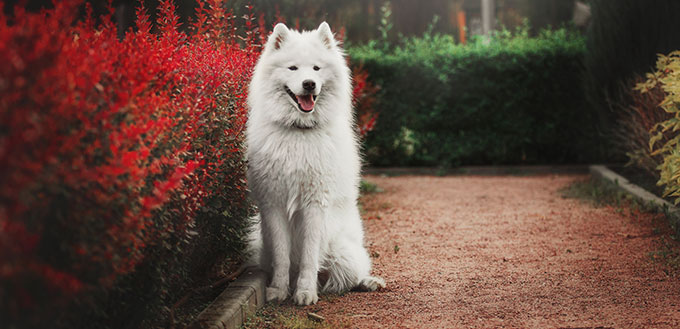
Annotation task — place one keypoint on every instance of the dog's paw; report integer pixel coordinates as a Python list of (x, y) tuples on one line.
[(371, 283), (276, 294), (305, 297)]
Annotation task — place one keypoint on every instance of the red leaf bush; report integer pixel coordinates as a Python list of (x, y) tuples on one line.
[(638, 113), (115, 154), (363, 96)]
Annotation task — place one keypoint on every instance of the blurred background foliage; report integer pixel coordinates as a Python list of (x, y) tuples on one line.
[(361, 17), (623, 41)]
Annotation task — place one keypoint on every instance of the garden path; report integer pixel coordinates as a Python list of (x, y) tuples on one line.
[(507, 251)]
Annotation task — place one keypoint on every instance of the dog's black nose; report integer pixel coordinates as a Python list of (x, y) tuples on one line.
[(308, 85)]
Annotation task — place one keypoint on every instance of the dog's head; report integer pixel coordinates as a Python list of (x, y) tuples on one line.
[(304, 70)]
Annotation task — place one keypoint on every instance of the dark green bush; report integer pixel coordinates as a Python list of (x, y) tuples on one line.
[(623, 41), (513, 99)]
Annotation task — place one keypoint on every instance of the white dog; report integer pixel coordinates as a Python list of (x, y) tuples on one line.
[(304, 167)]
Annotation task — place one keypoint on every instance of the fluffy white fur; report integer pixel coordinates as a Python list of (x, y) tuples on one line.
[(304, 168)]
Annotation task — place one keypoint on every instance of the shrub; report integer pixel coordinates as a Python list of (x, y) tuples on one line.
[(122, 175), (513, 99), (363, 93), (637, 114), (623, 40), (667, 77), (363, 96)]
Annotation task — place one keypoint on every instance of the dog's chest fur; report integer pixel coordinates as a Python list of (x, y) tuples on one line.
[(296, 169)]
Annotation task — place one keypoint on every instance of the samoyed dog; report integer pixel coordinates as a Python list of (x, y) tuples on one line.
[(304, 165)]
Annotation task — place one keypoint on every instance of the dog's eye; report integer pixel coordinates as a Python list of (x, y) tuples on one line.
[(292, 68), (316, 68)]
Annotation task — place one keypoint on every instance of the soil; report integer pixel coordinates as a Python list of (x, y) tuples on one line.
[(507, 252)]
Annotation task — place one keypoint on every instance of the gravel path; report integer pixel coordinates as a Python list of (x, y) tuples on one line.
[(506, 251)]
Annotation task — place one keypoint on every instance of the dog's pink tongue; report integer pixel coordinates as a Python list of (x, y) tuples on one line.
[(306, 102)]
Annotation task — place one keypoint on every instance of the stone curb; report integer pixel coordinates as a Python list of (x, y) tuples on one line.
[(240, 299), (478, 170), (672, 212)]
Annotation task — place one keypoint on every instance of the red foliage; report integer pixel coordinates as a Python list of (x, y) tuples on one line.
[(108, 144), (638, 114), (363, 95)]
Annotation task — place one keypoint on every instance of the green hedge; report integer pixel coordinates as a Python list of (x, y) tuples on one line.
[(512, 99)]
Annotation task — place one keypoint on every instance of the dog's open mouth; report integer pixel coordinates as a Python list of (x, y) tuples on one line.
[(304, 102)]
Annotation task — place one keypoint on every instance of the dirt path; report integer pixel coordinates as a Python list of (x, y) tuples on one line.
[(472, 251)]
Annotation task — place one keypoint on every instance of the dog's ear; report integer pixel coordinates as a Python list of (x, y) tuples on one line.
[(326, 35), (278, 36)]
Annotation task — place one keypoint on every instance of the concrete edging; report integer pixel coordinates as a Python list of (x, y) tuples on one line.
[(240, 299), (478, 170), (672, 212)]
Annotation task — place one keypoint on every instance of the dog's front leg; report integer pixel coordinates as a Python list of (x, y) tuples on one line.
[(276, 238), (310, 244)]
